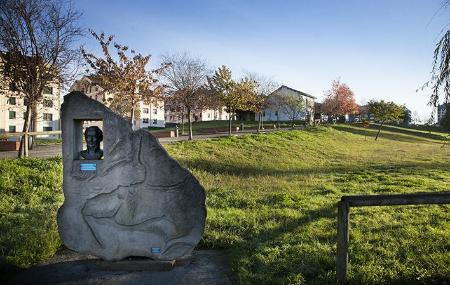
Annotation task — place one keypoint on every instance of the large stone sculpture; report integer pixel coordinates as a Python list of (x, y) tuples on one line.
[(136, 201)]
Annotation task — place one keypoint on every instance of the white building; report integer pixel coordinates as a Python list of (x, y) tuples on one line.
[(201, 116), (151, 115), (271, 114), (12, 108)]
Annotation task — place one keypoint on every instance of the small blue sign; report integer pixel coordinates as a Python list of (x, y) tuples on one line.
[(156, 250), (88, 166)]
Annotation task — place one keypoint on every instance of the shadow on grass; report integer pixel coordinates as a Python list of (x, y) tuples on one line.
[(403, 134), (309, 263), (230, 168), (411, 132)]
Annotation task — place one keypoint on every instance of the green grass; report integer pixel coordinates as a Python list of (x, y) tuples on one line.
[(42, 141), (271, 202), (30, 194)]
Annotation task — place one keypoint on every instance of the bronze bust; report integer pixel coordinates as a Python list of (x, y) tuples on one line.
[(93, 136)]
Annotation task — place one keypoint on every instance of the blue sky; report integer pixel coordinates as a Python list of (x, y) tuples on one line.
[(382, 49)]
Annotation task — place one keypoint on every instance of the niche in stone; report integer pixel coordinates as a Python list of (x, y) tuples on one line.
[(93, 141)]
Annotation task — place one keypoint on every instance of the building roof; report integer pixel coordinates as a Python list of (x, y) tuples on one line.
[(296, 91)]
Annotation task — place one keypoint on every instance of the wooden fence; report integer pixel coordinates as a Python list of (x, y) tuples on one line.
[(19, 134), (373, 200)]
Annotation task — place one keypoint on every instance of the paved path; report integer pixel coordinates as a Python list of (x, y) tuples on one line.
[(68, 267), (45, 151)]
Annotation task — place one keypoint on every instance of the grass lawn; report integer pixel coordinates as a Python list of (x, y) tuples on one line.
[(30, 194), (271, 202)]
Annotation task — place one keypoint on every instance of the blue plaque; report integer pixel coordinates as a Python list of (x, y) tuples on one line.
[(156, 250), (88, 166)]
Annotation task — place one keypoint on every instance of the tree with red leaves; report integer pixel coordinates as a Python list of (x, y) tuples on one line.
[(340, 100)]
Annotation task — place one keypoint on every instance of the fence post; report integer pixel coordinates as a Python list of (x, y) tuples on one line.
[(342, 242)]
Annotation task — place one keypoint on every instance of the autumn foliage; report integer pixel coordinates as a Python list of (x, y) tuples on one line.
[(340, 100), (125, 76)]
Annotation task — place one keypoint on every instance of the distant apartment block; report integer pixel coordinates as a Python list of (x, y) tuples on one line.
[(12, 108), (270, 114), (441, 111), (151, 115), (176, 116)]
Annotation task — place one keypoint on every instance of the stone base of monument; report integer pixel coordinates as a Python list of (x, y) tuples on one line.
[(142, 264), (68, 267)]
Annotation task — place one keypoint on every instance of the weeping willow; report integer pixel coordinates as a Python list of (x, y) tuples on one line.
[(440, 74)]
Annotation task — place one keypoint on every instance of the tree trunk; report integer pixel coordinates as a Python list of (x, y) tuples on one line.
[(190, 124), (132, 117), (379, 130), (229, 125), (182, 124), (262, 122), (23, 148), (259, 122), (34, 127)]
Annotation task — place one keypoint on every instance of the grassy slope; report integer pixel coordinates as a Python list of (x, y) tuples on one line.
[(272, 204)]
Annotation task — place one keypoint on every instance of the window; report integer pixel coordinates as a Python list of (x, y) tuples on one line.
[(48, 90), (145, 120), (96, 88), (155, 111), (12, 114), (48, 103), (12, 129), (145, 110), (12, 101), (155, 121), (48, 117), (46, 129)]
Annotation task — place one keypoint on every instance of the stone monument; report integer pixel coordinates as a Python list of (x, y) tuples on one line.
[(129, 199)]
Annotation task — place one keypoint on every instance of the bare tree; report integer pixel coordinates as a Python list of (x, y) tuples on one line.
[(185, 80), (126, 78), (293, 106), (37, 46), (276, 103), (264, 87)]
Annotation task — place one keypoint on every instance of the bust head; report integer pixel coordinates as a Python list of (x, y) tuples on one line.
[(93, 136)]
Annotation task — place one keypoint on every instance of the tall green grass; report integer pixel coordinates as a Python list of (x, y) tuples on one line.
[(30, 194)]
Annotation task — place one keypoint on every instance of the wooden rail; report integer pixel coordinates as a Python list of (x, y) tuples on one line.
[(373, 200), (19, 134)]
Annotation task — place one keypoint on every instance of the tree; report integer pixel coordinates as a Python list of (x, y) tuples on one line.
[(385, 112), (185, 82), (261, 101), (276, 103), (292, 106), (339, 100), (126, 77), (37, 46), (234, 95)]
